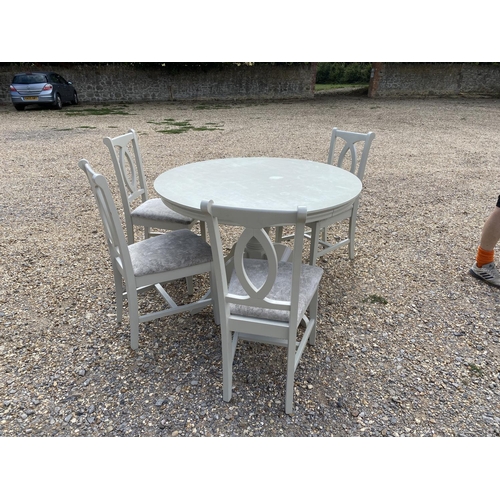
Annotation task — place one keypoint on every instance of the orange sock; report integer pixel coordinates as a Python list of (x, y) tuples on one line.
[(484, 257)]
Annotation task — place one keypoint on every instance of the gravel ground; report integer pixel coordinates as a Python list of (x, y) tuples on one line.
[(408, 344)]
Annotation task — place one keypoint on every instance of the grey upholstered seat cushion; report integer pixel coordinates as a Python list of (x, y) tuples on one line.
[(155, 209), (173, 250), (257, 270)]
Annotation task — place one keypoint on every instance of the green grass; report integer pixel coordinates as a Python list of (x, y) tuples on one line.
[(179, 127), (375, 299), (475, 370), (98, 111), (207, 128), (181, 124), (172, 131)]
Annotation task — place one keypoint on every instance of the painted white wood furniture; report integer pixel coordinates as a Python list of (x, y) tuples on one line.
[(262, 300), (140, 210), (149, 263), (270, 184), (345, 147)]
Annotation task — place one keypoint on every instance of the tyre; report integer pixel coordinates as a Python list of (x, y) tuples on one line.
[(75, 99), (58, 102), (19, 107)]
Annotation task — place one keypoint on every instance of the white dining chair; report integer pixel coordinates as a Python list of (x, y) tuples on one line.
[(262, 300), (148, 263), (139, 209), (353, 148)]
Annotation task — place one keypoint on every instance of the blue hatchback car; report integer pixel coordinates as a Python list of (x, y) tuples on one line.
[(44, 88)]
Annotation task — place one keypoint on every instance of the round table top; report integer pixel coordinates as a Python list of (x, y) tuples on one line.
[(258, 183)]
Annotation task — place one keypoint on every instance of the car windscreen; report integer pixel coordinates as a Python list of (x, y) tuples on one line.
[(29, 79)]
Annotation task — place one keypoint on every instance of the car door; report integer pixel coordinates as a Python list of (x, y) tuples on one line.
[(53, 80), (61, 86), (68, 91)]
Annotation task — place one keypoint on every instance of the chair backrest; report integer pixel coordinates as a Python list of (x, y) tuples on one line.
[(255, 294), (127, 160), (354, 145), (113, 231)]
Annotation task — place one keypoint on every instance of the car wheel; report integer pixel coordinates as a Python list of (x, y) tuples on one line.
[(58, 102), (19, 107), (75, 98)]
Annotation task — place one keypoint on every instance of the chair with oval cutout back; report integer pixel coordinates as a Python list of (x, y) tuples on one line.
[(262, 300), (139, 209), (148, 263), (355, 146)]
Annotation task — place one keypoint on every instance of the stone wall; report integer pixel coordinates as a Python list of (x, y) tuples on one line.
[(118, 83), (433, 79)]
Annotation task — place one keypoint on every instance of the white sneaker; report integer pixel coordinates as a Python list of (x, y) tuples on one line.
[(488, 273)]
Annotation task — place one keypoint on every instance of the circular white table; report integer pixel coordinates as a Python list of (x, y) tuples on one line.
[(259, 183)]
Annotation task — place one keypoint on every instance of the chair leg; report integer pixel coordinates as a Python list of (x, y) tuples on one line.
[(313, 316), (227, 363), (189, 284), (119, 294), (279, 234), (133, 313), (203, 230), (315, 232), (215, 299), (290, 376), (352, 230)]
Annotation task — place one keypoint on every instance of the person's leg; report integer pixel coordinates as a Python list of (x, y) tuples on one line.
[(491, 231), (490, 236), (484, 268)]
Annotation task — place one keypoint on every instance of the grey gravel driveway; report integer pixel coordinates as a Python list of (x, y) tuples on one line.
[(408, 344)]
